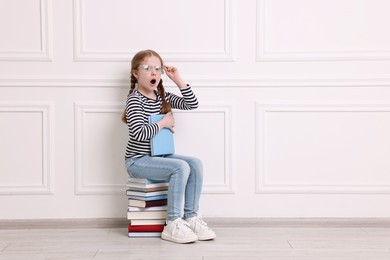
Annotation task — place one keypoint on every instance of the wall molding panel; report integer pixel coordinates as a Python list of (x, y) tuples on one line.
[(45, 52), (350, 186), (268, 51), (82, 53), (83, 186), (225, 111), (45, 184)]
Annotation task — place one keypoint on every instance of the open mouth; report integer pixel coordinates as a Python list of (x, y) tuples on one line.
[(153, 81)]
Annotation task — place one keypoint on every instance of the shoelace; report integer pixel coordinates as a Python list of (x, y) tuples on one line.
[(199, 221), (181, 224)]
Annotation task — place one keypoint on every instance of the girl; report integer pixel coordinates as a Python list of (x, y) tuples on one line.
[(185, 174)]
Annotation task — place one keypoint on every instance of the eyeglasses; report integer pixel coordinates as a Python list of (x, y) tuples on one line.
[(148, 68)]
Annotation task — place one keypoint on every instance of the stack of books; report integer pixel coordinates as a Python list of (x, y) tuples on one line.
[(147, 207)]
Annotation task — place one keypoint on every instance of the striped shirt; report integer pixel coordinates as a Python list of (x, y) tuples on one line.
[(138, 110)]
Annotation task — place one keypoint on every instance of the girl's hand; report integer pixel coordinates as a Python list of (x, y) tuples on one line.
[(174, 75), (168, 121)]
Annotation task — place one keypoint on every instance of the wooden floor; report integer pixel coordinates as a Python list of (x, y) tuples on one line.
[(246, 241)]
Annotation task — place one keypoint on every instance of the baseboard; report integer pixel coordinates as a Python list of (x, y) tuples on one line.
[(215, 222), (62, 223), (300, 222)]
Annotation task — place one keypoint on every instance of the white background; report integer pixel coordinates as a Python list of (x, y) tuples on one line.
[(294, 115)]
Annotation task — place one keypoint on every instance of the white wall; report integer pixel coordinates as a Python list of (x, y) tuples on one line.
[(294, 116)]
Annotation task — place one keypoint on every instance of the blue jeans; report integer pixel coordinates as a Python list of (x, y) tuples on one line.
[(185, 176)]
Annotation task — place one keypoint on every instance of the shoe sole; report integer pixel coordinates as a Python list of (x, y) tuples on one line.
[(206, 238), (180, 241)]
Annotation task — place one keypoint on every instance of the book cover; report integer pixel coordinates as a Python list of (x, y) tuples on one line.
[(145, 228), (162, 214), (147, 204), (145, 181), (157, 208), (162, 143), (139, 222), (147, 189), (158, 197), (144, 234), (146, 194)]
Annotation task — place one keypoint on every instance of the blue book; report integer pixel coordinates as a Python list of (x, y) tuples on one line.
[(157, 197), (162, 143), (146, 194)]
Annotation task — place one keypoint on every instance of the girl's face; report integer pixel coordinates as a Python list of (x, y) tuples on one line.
[(148, 74)]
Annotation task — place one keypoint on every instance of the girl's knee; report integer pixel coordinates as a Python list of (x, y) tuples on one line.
[(183, 167), (196, 166), (188, 166), (180, 173), (197, 163)]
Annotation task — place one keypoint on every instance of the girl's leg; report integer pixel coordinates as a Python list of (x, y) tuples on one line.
[(173, 170), (192, 195), (194, 185)]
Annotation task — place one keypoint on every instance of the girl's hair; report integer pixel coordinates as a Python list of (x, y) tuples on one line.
[(135, 63)]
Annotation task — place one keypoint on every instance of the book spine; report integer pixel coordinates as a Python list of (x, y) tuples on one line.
[(138, 209), (144, 234), (142, 189), (147, 204), (146, 194), (158, 197), (144, 181), (146, 228), (162, 214), (140, 222)]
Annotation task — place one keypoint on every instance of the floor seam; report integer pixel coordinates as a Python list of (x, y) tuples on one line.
[(3, 249)]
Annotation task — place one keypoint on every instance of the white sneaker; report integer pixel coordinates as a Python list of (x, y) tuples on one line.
[(178, 231), (201, 229)]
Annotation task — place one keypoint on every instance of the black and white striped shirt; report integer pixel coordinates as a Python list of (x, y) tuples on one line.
[(138, 110)]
